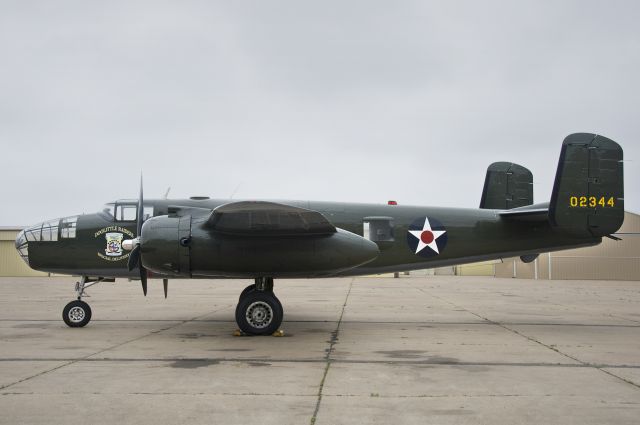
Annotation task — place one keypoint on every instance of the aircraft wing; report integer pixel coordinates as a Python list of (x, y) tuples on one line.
[(261, 218)]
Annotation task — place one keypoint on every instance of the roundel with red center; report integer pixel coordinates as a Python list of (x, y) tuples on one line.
[(427, 237)]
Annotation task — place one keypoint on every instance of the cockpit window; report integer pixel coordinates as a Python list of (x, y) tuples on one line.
[(126, 211), (147, 212)]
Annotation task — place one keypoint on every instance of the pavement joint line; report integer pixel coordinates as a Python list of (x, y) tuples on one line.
[(379, 322), (164, 394), (332, 342), (103, 350), (532, 339), (323, 360), (367, 396)]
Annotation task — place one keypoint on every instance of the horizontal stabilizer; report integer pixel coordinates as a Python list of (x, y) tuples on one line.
[(507, 185), (588, 194), (259, 218), (537, 212)]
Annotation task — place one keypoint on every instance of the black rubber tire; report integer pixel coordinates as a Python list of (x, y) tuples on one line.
[(246, 290), (250, 288), (268, 317), (76, 314)]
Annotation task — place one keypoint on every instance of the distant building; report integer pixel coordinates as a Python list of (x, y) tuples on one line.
[(611, 260)]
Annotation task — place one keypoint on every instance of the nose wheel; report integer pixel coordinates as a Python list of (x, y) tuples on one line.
[(76, 314), (259, 311)]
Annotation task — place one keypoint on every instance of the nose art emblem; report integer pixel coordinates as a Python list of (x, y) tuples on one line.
[(110, 242)]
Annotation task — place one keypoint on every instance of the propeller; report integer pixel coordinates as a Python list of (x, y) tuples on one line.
[(134, 257)]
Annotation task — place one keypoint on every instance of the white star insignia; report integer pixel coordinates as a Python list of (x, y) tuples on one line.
[(427, 237)]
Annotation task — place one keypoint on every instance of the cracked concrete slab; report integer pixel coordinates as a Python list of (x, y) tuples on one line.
[(366, 350)]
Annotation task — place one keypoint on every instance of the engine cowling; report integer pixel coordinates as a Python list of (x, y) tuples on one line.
[(165, 245)]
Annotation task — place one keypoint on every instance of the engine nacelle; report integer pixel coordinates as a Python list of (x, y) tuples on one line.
[(165, 244), (171, 246)]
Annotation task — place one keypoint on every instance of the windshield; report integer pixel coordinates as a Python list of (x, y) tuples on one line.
[(108, 209)]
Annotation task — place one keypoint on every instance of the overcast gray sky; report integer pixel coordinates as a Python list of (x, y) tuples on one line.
[(359, 101)]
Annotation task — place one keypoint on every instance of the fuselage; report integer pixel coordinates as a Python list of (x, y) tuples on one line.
[(408, 238)]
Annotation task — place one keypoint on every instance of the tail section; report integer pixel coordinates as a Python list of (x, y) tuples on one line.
[(588, 193)]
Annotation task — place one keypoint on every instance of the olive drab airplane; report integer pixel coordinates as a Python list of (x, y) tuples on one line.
[(265, 240)]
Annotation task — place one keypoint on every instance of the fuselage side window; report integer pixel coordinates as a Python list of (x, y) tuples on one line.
[(50, 230), (68, 227), (378, 229)]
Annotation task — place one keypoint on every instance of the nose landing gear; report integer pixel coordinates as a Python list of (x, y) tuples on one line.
[(77, 313), (259, 311)]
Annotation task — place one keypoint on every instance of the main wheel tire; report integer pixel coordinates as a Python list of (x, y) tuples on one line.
[(259, 313), (246, 290), (76, 314), (251, 288)]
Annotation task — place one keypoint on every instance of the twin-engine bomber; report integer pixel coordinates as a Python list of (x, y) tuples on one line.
[(265, 240)]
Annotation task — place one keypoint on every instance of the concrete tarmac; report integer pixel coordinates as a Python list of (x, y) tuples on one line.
[(414, 350)]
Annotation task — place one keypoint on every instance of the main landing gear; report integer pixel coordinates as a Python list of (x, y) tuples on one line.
[(259, 311), (77, 313)]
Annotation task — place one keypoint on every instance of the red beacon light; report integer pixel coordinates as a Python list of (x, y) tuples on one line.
[(392, 203)]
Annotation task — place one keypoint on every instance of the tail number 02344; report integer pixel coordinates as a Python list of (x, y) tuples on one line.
[(591, 202)]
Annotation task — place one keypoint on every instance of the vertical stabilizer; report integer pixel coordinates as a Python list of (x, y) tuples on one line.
[(588, 193), (507, 185)]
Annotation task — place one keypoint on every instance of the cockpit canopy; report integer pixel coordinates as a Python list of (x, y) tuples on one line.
[(125, 210)]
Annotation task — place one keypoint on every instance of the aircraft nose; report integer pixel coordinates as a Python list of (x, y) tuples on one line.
[(22, 246)]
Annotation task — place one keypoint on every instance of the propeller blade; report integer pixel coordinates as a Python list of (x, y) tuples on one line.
[(140, 210), (134, 258), (165, 283), (143, 279)]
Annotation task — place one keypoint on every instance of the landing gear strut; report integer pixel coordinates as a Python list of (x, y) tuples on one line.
[(259, 311), (77, 313)]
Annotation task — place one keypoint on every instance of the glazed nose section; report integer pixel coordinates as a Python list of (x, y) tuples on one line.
[(22, 246), (41, 232)]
